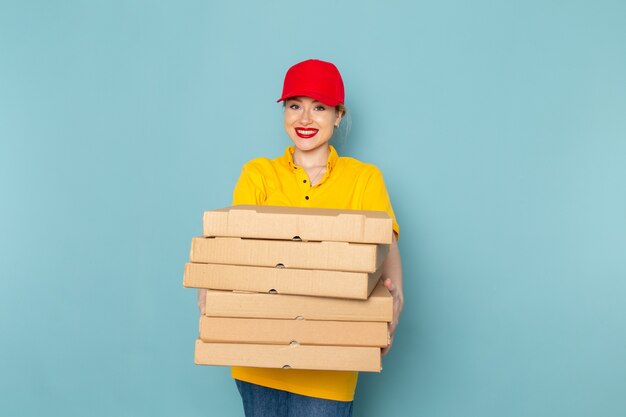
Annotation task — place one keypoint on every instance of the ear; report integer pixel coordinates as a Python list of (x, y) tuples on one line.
[(338, 117)]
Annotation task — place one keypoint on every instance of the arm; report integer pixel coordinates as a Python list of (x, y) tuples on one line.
[(392, 278), (377, 198)]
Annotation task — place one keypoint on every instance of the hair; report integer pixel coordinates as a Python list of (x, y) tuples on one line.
[(341, 108), (340, 134)]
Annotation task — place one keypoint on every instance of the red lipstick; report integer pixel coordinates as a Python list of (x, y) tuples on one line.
[(306, 132)]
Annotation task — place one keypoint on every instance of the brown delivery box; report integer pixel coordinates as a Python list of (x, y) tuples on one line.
[(322, 283), (338, 256), (301, 223), (378, 307), (286, 331), (330, 358)]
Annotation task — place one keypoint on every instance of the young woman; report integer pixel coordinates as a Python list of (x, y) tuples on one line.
[(311, 174)]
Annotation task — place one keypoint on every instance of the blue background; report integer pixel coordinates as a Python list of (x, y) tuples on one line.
[(500, 128)]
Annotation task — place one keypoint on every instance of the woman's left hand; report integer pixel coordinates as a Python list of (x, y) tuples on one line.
[(398, 304)]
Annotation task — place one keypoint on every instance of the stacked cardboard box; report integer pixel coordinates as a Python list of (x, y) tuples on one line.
[(292, 288)]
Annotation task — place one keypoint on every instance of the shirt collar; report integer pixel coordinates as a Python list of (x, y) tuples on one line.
[(333, 157)]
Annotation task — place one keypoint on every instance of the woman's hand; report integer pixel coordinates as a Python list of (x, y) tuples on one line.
[(398, 304), (201, 300), (392, 279)]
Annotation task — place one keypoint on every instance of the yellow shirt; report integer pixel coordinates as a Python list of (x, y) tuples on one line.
[(347, 184)]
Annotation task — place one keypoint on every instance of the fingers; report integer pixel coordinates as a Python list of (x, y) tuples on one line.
[(392, 326), (386, 350), (397, 301), (201, 300), (392, 331)]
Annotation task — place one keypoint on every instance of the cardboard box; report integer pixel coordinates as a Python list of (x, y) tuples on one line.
[(378, 307), (322, 283), (286, 331), (338, 256), (330, 358), (313, 224)]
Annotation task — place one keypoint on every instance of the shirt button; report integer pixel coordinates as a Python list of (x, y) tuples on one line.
[(307, 197)]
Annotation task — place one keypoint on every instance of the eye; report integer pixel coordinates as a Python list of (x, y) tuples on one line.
[(294, 106), (320, 108)]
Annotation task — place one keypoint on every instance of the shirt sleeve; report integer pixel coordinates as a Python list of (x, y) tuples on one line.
[(377, 198), (250, 188)]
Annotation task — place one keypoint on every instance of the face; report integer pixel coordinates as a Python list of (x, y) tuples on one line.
[(309, 123)]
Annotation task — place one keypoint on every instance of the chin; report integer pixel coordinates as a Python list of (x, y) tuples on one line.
[(304, 145)]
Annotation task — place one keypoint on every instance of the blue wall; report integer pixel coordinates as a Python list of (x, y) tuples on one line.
[(500, 128)]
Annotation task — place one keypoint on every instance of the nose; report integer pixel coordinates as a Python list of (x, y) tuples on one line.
[(305, 117)]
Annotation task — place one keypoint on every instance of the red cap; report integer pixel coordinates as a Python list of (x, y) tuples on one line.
[(313, 78)]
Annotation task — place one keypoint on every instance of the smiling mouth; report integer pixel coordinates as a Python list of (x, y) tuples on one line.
[(306, 133)]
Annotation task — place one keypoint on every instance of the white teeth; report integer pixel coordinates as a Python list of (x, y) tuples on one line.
[(306, 132)]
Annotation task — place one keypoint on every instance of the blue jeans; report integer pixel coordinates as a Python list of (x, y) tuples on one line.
[(259, 401)]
